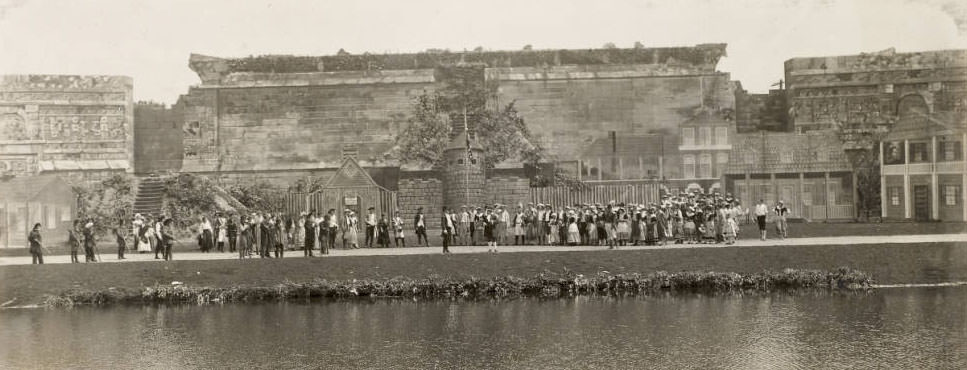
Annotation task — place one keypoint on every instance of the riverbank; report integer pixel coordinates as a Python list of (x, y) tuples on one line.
[(909, 263), (543, 285)]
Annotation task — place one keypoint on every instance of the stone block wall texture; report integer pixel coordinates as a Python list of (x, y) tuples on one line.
[(508, 190), (157, 139), (280, 123), (567, 110), (416, 192), (77, 126)]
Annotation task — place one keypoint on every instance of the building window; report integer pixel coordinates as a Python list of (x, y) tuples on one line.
[(689, 163), (688, 136), (705, 166), (893, 152), (895, 195), (919, 153), (706, 135), (721, 161), (888, 88), (949, 150), (822, 156), (749, 157), (950, 194), (785, 156), (721, 136)]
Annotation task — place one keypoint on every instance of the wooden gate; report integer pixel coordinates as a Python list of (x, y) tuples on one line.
[(564, 196), (358, 200)]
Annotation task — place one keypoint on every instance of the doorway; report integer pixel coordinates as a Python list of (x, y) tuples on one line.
[(921, 202)]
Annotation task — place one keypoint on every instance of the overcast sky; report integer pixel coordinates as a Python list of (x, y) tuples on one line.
[(151, 40)]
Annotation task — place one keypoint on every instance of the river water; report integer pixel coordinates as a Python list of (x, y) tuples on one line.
[(887, 328)]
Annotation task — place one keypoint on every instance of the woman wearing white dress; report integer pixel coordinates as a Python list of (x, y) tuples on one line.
[(352, 230), (147, 238)]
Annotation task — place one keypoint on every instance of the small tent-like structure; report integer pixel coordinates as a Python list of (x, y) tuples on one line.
[(352, 188), (24, 201)]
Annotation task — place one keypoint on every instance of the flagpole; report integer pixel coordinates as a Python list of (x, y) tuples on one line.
[(466, 130)]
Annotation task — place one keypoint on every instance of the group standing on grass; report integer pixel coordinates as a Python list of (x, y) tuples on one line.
[(687, 218)]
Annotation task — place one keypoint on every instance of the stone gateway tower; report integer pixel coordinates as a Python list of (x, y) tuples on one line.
[(463, 172)]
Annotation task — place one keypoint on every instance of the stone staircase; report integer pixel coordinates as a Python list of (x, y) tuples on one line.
[(149, 199)]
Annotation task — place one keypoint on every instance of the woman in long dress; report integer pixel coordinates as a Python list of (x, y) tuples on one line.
[(353, 230), (555, 230), (244, 241), (299, 233), (146, 238)]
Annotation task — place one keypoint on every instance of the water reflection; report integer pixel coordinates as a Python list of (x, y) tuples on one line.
[(902, 328)]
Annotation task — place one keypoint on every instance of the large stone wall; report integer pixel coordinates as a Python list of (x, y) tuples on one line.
[(297, 122), (508, 189), (157, 139), (420, 190), (77, 126), (568, 108)]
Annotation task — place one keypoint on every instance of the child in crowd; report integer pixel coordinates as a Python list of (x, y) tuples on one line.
[(731, 229)]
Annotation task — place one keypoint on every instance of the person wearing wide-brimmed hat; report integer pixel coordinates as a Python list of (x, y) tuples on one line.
[(419, 224), (370, 227), (398, 236), (781, 226), (503, 227), (519, 226), (309, 227), (461, 236), (89, 241), (352, 230), (446, 228)]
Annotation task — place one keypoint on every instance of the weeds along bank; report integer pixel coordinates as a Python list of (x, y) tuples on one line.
[(543, 285)]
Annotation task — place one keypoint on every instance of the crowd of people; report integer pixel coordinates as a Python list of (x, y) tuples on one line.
[(680, 219), (687, 218)]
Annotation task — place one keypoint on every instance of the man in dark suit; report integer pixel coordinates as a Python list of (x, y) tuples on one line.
[(310, 233), (419, 222), (446, 229)]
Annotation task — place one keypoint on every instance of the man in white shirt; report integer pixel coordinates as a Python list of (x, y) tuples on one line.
[(463, 232), (761, 210), (503, 221), (370, 227), (419, 223)]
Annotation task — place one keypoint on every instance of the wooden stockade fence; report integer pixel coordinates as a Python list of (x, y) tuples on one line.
[(564, 196), (341, 199)]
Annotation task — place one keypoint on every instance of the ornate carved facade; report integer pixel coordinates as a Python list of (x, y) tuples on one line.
[(77, 125), (870, 89)]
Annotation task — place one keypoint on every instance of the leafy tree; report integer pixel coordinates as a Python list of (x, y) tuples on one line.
[(501, 133), (187, 198), (308, 184), (425, 138), (862, 150), (106, 203), (259, 196)]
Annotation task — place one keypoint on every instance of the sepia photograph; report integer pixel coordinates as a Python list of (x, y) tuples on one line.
[(433, 184)]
